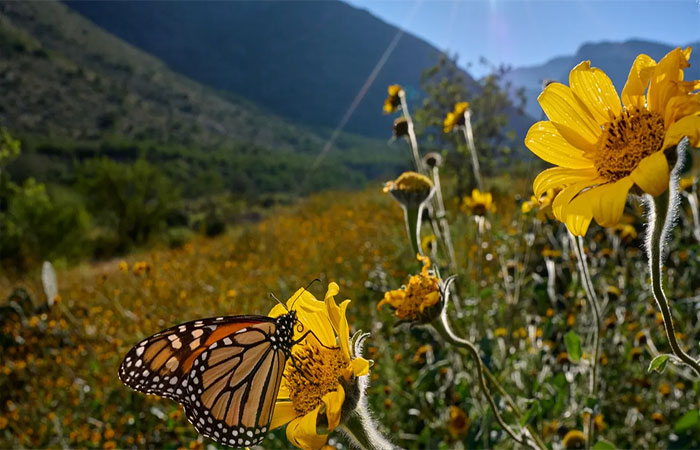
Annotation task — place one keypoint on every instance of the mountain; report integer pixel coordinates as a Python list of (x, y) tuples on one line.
[(615, 58), (71, 91), (306, 61)]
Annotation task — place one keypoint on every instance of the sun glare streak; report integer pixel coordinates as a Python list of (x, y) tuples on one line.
[(367, 84)]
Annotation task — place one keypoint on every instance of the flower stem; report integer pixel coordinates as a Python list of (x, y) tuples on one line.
[(585, 273), (660, 222), (412, 216), (442, 219), (443, 328), (469, 136), (411, 133), (362, 432)]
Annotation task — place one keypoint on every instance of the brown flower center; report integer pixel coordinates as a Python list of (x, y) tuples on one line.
[(313, 373), (629, 138)]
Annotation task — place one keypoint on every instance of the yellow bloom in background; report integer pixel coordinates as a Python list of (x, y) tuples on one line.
[(479, 203), (322, 381), (574, 439), (458, 422), (686, 183), (393, 101), (542, 205), (603, 146), (455, 118), (421, 299), (428, 243)]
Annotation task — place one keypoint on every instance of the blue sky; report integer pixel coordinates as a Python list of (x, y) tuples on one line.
[(527, 32)]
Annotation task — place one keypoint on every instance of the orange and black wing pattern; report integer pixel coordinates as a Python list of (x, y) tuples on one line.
[(225, 371)]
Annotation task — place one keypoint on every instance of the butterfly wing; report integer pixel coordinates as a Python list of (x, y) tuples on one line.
[(160, 364), (233, 385)]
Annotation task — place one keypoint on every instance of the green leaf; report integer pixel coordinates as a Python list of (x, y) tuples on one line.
[(604, 445), (658, 364), (573, 346), (531, 413), (690, 420)]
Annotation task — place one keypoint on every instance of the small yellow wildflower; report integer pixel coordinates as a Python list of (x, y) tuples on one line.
[(603, 146), (123, 266), (421, 300), (458, 422), (323, 379), (658, 418), (423, 350), (428, 243), (393, 101), (455, 118), (686, 183), (574, 439), (479, 203), (231, 293), (543, 205), (499, 332)]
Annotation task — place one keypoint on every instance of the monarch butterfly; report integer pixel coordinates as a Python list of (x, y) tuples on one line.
[(225, 372)]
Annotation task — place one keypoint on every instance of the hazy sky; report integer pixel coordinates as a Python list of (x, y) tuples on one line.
[(526, 32)]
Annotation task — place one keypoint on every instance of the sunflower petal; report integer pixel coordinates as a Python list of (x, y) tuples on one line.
[(545, 141), (611, 201), (302, 431), (334, 404), (688, 126), (559, 178), (284, 413), (681, 106), (595, 89), (637, 82), (664, 82), (277, 311), (344, 330), (359, 366), (651, 174), (562, 200), (570, 116), (331, 306)]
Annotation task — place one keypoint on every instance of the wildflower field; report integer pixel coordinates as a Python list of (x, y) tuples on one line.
[(489, 304)]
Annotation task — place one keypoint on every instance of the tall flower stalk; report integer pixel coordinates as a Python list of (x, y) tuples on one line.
[(469, 136), (661, 215), (587, 283)]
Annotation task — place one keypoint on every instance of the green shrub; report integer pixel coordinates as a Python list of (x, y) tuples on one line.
[(132, 200)]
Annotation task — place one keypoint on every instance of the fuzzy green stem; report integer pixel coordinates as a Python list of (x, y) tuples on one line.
[(361, 431), (469, 136), (412, 216), (411, 133), (660, 220), (443, 328), (587, 284), (442, 219)]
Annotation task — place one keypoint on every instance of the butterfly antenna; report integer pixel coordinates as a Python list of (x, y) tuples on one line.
[(304, 290), (279, 301)]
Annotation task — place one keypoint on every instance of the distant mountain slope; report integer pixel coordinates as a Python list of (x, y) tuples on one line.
[(71, 89), (303, 60), (615, 58)]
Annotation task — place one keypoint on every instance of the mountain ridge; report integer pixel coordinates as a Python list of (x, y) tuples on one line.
[(613, 57)]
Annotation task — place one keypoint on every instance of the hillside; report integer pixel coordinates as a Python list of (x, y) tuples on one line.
[(309, 69), (615, 58), (71, 90)]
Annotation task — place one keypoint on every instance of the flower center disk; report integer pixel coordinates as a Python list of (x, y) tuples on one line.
[(314, 374), (629, 138)]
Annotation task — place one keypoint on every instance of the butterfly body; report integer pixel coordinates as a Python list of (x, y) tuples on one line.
[(225, 372)]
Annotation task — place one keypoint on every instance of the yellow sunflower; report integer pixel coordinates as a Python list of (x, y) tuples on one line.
[(479, 203), (603, 146), (543, 205), (455, 118), (393, 101), (314, 387), (421, 300)]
